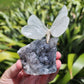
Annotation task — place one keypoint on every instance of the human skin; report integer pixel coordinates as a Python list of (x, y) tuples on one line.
[(16, 75)]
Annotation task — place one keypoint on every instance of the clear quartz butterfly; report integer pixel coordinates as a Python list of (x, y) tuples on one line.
[(37, 30)]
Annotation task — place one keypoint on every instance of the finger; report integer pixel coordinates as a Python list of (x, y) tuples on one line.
[(52, 76), (20, 75), (58, 55), (19, 64), (58, 64), (13, 70)]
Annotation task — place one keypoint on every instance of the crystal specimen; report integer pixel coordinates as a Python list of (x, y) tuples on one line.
[(39, 57)]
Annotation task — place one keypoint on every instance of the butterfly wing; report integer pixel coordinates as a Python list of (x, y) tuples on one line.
[(60, 24), (33, 32), (34, 20), (35, 28)]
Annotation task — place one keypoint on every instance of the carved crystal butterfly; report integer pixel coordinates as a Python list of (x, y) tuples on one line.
[(37, 30)]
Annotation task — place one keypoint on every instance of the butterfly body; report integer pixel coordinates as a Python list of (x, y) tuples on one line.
[(48, 36)]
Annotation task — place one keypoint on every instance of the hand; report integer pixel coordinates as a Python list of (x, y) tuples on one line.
[(15, 74)]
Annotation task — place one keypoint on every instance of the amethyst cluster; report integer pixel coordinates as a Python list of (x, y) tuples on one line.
[(39, 57)]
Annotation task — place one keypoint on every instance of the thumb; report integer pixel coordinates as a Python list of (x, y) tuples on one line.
[(13, 70)]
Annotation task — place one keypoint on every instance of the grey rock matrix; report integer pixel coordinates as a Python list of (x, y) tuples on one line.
[(39, 57)]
